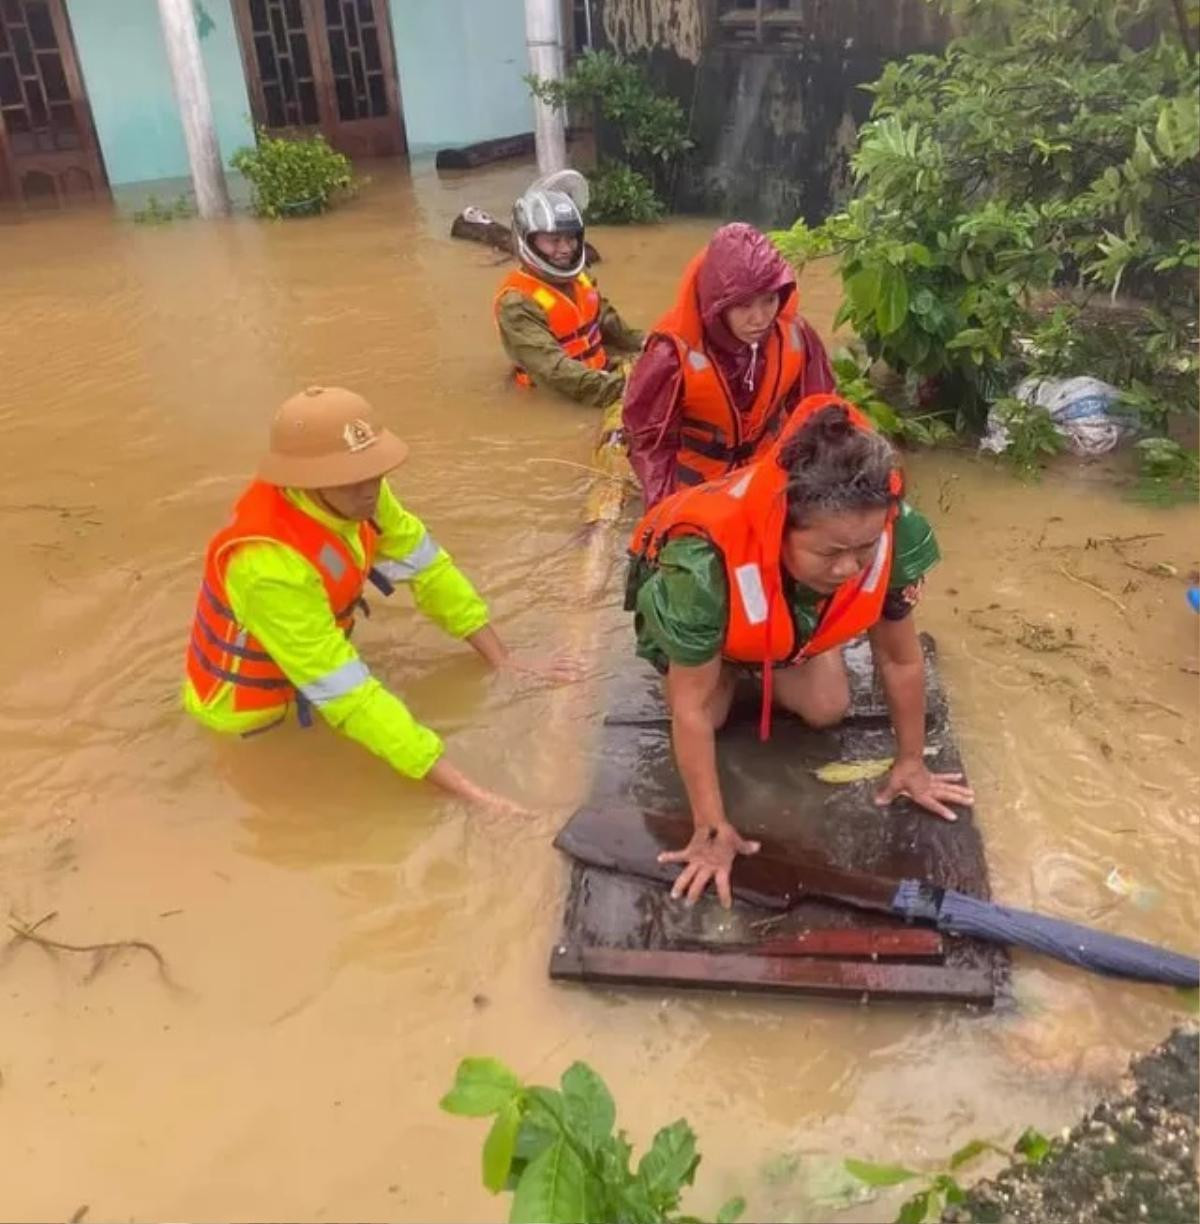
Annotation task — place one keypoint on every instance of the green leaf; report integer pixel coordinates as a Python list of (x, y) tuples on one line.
[(863, 289), (883, 416), (892, 308), (1143, 159), (589, 1105), (969, 338), (918, 253), (946, 1186), (552, 1190), (1163, 134), (968, 1152), (1033, 1145), (878, 1174), (482, 1086), (731, 1210), (500, 1146), (670, 1164), (916, 1209), (550, 1108), (845, 367)]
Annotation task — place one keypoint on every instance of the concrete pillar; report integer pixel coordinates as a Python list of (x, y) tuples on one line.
[(543, 37), (178, 19)]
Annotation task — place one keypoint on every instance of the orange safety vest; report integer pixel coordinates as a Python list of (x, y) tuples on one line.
[(574, 318), (715, 437), (743, 515), (220, 650)]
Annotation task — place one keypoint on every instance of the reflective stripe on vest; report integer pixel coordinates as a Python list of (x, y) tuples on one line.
[(258, 682), (337, 683), (572, 314), (715, 436), (406, 568), (743, 516), (750, 589), (220, 650)]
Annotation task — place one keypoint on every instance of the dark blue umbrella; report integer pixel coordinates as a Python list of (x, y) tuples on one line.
[(957, 914)]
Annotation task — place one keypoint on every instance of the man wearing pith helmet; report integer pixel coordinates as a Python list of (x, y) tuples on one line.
[(284, 579)]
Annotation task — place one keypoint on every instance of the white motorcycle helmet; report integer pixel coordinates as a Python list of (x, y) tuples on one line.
[(553, 205)]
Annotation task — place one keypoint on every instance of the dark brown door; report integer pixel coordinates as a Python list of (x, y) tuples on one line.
[(324, 65), (48, 148)]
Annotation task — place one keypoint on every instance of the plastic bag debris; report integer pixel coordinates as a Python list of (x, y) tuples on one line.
[(1085, 412)]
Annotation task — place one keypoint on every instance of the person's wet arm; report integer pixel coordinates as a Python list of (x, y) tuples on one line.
[(681, 612), (692, 694), (281, 601), (897, 652), (615, 332), (650, 415), (531, 344), (407, 554)]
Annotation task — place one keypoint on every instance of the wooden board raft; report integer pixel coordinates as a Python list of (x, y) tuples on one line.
[(620, 926)]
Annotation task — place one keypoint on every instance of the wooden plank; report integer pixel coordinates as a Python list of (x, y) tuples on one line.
[(852, 943), (859, 980), (817, 840), (777, 877)]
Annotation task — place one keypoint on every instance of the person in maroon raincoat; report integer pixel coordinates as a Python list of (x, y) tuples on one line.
[(723, 369)]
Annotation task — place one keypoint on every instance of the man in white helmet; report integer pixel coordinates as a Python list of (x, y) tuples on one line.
[(554, 324)]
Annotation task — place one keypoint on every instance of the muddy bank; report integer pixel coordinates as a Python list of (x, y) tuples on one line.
[(1133, 1157)]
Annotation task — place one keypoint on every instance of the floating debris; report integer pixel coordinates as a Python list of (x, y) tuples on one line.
[(840, 773)]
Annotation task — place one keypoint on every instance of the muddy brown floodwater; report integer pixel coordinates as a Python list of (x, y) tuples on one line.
[(340, 938)]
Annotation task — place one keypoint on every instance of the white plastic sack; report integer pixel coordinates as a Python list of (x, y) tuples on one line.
[(1084, 411)]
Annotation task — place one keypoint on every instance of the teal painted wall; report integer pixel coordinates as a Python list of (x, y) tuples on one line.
[(124, 65), (460, 64)]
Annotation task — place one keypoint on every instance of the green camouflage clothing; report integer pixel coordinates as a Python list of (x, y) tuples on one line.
[(680, 609), (530, 344)]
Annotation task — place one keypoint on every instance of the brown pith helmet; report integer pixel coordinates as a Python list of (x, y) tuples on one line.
[(325, 437)]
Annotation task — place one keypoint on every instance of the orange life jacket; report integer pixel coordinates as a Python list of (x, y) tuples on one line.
[(743, 515), (573, 312), (715, 437), (220, 650)]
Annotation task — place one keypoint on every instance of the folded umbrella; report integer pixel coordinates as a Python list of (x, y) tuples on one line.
[(957, 914)]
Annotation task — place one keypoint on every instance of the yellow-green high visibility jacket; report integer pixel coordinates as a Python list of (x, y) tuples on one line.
[(278, 598)]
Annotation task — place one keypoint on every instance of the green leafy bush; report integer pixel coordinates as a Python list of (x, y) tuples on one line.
[(1032, 436), (854, 384), (1009, 190), (556, 1150), (162, 212), (650, 127), (1167, 473), (619, 194), (293, 177)]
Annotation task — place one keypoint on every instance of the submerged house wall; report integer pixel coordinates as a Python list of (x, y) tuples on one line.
[(772, 89), (461, 65), (123, 61)]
